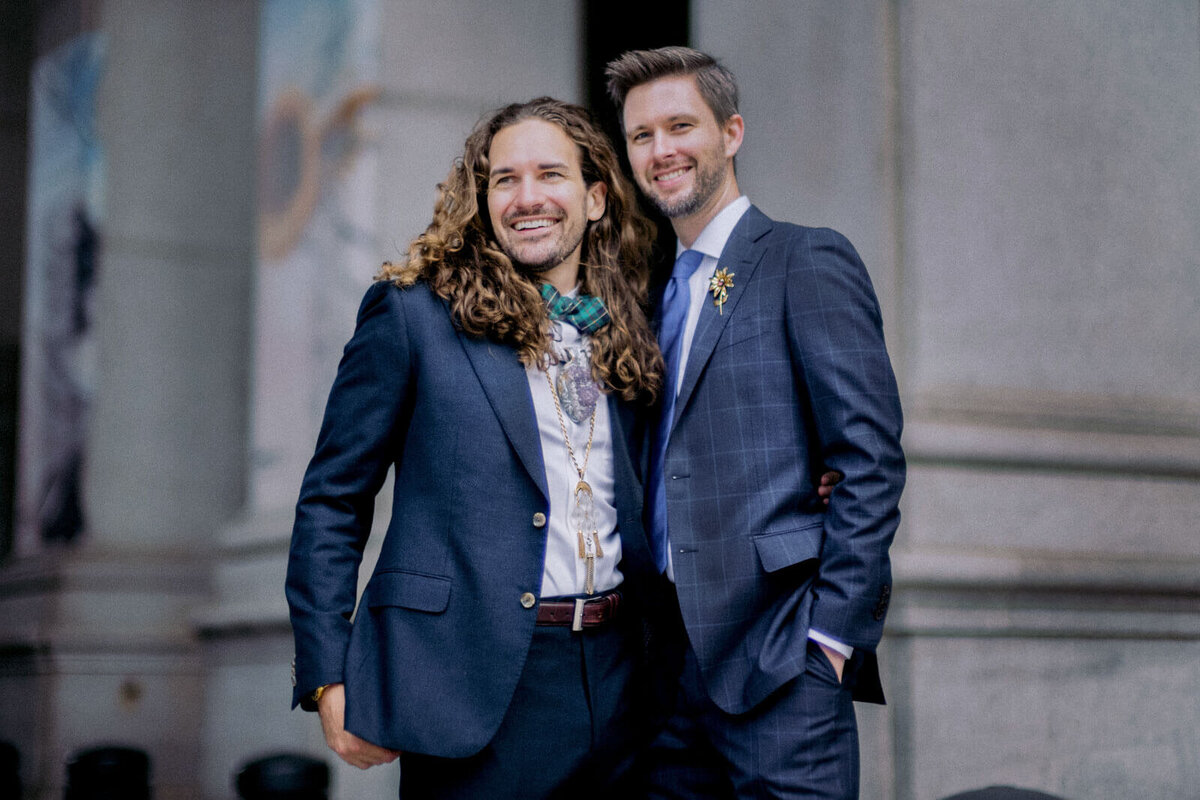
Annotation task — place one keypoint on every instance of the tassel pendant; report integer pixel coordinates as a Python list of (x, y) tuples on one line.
[(589, 551)]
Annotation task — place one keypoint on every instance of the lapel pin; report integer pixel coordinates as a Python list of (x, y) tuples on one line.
[(719, 284)]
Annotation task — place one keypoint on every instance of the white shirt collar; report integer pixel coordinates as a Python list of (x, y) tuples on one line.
[(712, 239)]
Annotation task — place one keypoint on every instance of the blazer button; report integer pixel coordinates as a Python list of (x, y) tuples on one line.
[(539, 521), (527, 600)]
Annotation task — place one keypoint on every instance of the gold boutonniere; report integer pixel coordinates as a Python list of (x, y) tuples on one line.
[(719, 284)]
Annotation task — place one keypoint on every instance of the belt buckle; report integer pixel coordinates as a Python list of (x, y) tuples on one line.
[(577, 617)]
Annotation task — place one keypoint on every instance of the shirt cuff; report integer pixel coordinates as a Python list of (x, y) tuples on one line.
[(833, 644)]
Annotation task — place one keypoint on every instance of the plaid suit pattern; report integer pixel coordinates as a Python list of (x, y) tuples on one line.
[(791, 376)]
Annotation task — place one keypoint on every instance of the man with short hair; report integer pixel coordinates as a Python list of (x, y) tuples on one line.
[(775, 364), (497, 647)]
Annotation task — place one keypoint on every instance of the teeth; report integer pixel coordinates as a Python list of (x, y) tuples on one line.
[(525, 225), (670, 176)]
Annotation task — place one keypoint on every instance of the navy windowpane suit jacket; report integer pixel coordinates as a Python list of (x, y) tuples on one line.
[(790, 378)]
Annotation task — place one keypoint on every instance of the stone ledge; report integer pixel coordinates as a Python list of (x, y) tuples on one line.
[(912, 619), (258, 531), (1045, 595), (1031, 571), (91, 570), (979, 444), (101, 658), (94, 601), (239, 619), (1048, 409)]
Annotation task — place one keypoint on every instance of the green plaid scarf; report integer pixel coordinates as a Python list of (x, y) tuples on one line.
[(585, 312)]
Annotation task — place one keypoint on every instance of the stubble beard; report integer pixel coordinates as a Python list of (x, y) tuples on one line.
[(708, 183), (569, 241)]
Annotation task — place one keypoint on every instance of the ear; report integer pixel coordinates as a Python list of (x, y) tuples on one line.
[(732, 131), (597, 200)]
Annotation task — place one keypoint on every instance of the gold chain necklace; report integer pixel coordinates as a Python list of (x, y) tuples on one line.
[(585, 511)]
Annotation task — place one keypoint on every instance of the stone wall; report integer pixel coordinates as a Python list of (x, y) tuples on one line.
[(1022, 180)]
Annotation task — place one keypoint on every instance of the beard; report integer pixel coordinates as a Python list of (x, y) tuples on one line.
[(552, 259), (710, 174), (538, 257)]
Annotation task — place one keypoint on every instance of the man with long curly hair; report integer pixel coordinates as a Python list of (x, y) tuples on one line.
[(497, 649), (780, 602)]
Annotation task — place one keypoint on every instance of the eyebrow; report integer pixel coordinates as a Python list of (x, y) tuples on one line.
[(543, 166), (681, 116), (684, 116)]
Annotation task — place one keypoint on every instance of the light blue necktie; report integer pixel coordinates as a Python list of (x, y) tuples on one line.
[(676, 299)]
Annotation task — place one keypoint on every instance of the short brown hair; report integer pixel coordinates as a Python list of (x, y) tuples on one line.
[(636, 67)]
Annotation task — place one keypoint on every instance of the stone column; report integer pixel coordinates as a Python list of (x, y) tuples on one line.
[(98, 644), (440, 66), (1023, 182), (1051, 182)]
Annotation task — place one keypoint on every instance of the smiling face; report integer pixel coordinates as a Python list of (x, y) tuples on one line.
[(537, 200), (681, 157)]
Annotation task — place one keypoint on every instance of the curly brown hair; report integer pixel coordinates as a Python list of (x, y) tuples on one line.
[(461, 261)]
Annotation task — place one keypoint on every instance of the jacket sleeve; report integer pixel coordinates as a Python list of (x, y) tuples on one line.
[(836, 338), (359, 435)]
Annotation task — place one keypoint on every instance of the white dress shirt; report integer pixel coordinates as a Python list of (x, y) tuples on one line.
[(564, 572), (711, 242)]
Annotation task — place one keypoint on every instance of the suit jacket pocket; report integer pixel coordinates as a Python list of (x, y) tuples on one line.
[(413, 590), (780, 549)]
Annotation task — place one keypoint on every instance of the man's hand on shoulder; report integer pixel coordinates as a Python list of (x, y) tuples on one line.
[(351, 749)]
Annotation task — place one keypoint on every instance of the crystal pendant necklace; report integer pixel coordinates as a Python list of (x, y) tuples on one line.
[(582, 516)]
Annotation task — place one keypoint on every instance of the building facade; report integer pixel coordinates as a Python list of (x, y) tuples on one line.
[(1021, 178)]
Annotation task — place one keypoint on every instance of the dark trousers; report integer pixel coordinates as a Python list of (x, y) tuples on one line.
[(801, 742), (572, 730)]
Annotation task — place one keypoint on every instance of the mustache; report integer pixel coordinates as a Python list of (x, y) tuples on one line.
[(541, 210)]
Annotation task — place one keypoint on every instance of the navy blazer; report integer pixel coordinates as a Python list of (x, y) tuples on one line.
[(431, 659), (789, 378)]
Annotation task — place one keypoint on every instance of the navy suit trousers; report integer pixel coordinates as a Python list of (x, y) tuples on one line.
[(573, 729), (801, 742)]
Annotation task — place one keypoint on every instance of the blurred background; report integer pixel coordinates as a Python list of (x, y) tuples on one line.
[(194, 195)]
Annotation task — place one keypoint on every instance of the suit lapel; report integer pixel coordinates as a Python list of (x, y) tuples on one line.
[(741, 257), (503, 378)]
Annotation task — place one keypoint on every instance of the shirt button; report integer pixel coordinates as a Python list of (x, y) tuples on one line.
[(539, 521), (527, 600)]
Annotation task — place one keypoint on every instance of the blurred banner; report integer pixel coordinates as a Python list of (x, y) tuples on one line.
[(318, 79), (58, 359)]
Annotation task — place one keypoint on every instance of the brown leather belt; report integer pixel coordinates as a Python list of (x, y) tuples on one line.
[(581, 613)]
